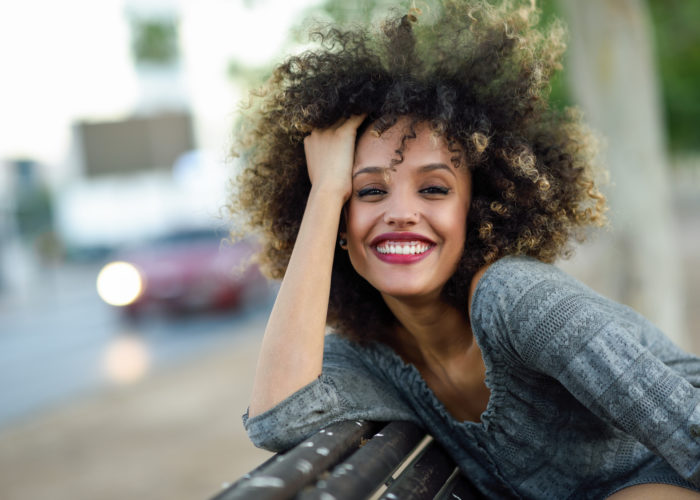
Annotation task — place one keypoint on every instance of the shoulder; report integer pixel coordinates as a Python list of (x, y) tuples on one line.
[(528, 268), (337, 344), (513, 278), (525, 304), (340, 352), (518, 298)]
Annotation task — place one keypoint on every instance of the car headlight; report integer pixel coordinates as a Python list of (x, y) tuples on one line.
[(119, 283)]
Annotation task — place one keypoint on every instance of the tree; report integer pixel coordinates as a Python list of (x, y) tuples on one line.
[(613, 78)]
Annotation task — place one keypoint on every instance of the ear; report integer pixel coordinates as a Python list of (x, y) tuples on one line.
[(342, 241), (342, 228)]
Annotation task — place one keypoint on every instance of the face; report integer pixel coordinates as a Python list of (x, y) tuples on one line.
[(406, 223)]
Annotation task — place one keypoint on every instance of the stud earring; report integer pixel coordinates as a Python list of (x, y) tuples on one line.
[(343, 243)]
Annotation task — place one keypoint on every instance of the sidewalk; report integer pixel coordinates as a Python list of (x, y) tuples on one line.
[(175, 435)]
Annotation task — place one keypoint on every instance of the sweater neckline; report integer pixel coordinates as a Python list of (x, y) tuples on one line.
[(408, 374)]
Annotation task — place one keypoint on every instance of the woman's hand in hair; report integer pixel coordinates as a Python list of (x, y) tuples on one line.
[(291, 354), (330, 155)]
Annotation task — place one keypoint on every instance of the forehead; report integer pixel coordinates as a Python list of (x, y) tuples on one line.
[(426, 147)]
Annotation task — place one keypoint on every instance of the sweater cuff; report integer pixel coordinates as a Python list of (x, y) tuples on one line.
[(291, 420)]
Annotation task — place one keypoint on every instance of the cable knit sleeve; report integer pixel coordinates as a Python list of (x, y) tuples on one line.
[(348, 389), (610, 358)]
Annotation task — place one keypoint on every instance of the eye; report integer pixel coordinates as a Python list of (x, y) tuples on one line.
[(370, 191), (440, 190)]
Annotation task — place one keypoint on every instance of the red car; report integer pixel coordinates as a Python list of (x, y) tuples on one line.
[(183, 272)]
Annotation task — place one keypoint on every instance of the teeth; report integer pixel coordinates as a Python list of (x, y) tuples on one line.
[(403, 247)]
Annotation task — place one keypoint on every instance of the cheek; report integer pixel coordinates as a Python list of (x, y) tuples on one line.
[(356, 223), (454, 226), (354, 233), (359, 221)]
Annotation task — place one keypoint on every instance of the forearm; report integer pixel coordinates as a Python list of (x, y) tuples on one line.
[(291, 354), (348, 389)]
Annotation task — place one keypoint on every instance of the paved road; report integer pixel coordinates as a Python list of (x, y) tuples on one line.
[(59, 341), (174, 435)]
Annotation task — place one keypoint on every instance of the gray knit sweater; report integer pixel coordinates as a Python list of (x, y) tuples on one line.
[(587, 396)]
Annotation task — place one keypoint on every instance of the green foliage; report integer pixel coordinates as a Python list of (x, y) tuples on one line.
[(560, 96), (250, 76), (677, 51), (678, 55), (361, 11), (154, 41)]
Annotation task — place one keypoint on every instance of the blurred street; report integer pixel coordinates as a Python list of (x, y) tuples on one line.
[(73, 424), (59, 340)]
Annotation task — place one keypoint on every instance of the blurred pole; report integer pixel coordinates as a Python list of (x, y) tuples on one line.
[(614, 80)]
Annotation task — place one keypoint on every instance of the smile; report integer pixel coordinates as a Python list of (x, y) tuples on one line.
[(403, 247)]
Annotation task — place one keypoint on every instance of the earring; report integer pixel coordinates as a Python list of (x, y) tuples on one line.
[(343, 243)]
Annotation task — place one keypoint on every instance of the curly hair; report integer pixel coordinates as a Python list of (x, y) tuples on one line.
[(479, 76)]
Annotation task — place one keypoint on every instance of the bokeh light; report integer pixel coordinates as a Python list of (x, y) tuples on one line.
[(126, 360), (119, 283)]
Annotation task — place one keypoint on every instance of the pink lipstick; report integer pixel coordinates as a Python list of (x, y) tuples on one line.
[(401, 248)]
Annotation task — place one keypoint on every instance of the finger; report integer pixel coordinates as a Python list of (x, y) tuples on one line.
[(355, 120)]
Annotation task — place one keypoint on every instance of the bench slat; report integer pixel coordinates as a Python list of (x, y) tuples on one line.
[(458, 487), (284, 476), (370, 466), (424, 477), (355, 460)]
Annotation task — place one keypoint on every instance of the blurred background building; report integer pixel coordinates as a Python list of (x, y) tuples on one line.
[(104, 97), (116, 119)]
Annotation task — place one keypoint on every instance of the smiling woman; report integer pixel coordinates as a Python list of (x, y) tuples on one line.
[(412, 187), (411, 213)]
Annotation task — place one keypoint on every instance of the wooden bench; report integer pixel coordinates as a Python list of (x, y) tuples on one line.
[(357, 460)]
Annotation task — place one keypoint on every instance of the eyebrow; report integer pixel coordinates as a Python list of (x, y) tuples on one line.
[(425, 168), (370, 170)]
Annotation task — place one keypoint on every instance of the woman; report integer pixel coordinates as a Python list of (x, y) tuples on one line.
[(412, 187)]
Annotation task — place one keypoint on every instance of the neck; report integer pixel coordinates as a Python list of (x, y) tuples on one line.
[(429, 331)]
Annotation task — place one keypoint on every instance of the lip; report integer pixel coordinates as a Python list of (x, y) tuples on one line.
[(402, 236), (400, 258)]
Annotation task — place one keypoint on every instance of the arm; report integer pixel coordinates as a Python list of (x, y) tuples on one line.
[(603, 353), (292, 349), (348, 389)]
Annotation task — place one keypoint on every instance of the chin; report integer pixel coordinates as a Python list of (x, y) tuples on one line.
[(406, 291)]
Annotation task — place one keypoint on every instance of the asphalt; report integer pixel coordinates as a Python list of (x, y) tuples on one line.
[(174, 435)]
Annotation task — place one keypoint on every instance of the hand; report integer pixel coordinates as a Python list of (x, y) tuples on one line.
[(330, 154)]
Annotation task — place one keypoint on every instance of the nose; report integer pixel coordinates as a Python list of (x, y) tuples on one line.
[(400, 212)]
